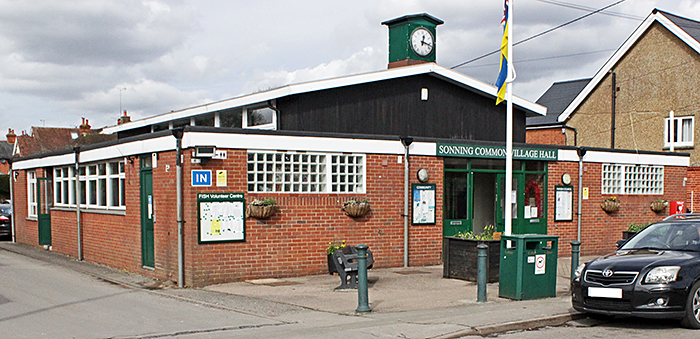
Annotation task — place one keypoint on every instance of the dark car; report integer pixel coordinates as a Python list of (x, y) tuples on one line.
[(5, 221), (655, 274)]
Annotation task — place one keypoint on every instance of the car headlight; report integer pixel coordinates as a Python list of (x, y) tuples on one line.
[(579, 271), (662, 275)]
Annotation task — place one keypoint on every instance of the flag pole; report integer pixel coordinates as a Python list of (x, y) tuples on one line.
[(509, 127)]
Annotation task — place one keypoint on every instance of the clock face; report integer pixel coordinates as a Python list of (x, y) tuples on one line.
[(422, 41), (422, 175), (566, 178)]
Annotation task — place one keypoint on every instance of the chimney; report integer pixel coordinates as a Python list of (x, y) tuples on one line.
[(84, 127), (124, 119), (11, 136)]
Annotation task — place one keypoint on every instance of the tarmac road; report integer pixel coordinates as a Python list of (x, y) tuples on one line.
[(42, 300)]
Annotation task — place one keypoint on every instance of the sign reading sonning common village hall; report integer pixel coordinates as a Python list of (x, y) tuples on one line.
[(496, 152)]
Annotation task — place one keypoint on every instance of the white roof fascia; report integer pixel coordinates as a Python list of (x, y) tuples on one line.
[(626, 158), (234, 141), (308, 144), (631, 40), (311, 86), (165, 143)]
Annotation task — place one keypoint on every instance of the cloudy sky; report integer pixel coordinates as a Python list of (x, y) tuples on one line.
[(61, 60)]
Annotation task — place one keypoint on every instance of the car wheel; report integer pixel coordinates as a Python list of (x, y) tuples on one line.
[(692, 308)]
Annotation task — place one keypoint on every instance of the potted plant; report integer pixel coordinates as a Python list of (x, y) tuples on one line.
[(610, 205), (632, 229), (658, 205), (461, 255), (356, 208), (333, 245), (261, 209)]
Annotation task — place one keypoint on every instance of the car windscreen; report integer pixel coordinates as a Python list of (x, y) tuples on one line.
[(682, 236), (5, 209)]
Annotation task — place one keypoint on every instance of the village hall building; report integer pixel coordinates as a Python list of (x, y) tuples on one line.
[(423, 145)]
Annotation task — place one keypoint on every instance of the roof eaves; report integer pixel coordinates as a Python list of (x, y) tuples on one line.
[(655, 16), (251, 99)]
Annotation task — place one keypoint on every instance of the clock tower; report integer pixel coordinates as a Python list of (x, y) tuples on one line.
[(412, 39)]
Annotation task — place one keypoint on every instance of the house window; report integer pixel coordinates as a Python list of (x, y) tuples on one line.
[(290, 172), (260, 118), (682, 132), (64, 186), (31, 194), (100, 186), (633, 179)]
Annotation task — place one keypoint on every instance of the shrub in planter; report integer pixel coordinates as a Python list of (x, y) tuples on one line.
[(334, 245), (632, 229), (461, 255)]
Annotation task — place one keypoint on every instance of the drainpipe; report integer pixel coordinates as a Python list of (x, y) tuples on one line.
[(406, 142), (76, 150), (12, 199), (581, 153), (177, 133), (612, 122)]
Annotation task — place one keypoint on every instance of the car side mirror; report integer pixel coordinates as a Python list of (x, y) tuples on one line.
[(620, 243)]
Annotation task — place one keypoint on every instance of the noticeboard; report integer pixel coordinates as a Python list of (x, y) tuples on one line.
[(564, 202), (423, 204), (221, 217)]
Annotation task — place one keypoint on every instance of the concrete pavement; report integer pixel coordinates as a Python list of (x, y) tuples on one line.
[(414, 302)]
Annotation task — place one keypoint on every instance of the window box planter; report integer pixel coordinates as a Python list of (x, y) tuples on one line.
[(610, 206), (627, 234), (356, 209), (461, 259), (260, 211), (331, 265), (658, 206)]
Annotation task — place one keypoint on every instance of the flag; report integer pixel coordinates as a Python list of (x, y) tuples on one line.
[(503, 72)]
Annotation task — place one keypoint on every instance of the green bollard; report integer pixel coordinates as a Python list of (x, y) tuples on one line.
[(481, 273), (362, 296), (575, 252)]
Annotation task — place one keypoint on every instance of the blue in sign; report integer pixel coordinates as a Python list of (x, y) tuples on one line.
[(201, 178)]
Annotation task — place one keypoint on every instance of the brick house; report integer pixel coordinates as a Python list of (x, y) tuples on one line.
[(313, 147), (630, 102)]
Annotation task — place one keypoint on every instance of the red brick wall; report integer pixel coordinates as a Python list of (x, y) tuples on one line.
[(600, 230), (546, 136), (692, 186), (291, 243)]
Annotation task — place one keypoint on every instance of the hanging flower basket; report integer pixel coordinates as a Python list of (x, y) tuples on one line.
[(610, 206), (261, 209), (356, 209), (658, 206)]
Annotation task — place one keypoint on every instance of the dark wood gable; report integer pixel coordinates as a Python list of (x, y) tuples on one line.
[(394, 107)]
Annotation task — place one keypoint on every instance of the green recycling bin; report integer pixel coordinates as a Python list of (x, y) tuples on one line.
[(528, 268)]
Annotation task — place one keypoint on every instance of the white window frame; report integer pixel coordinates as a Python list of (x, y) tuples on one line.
[(619, 179), (100, 180), (685, 139), (271, 126), (32, 203), (306, 173)]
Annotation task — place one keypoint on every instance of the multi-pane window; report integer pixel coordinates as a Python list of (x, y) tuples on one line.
[(31, 194), (290, 172), (100, 186), (632, 179), (682, 132)]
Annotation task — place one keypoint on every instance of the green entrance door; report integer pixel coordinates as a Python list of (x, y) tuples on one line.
[(501, 203), (147, 216), (44, 201), (456, 215)]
